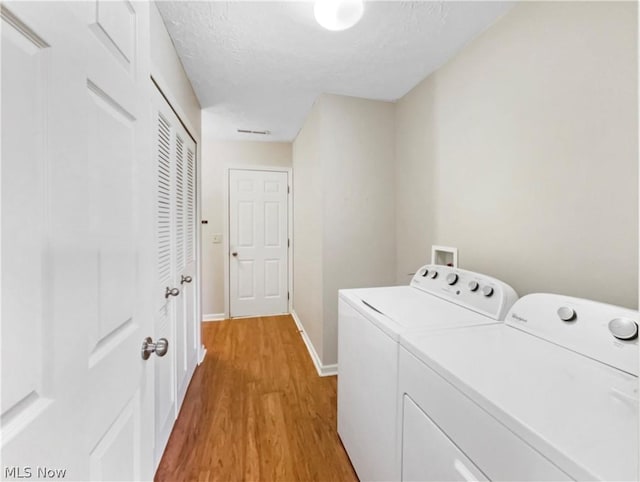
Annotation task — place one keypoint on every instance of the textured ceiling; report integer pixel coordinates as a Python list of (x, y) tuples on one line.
[(260, 65)]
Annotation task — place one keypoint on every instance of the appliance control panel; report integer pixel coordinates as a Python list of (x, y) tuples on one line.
[(477, 292), (606, 333)]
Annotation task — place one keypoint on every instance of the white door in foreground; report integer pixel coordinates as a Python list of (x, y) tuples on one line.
[(258, 242), (76, 241)]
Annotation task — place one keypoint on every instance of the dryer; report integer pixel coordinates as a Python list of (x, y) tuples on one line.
[(369, 325), (551, 394)]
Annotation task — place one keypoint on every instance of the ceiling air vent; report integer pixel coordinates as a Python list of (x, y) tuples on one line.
[(247, 131)]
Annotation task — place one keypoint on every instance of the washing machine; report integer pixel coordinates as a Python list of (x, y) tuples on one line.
[(370, 322), (551, 394)]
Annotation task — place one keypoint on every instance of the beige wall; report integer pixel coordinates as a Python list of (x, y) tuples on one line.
[(359, 204), (168, 72), (344, 228), (216, 157), (523, 152), (308, 195)]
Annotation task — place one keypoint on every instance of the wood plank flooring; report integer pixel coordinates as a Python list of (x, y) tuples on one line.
[(256, 410)]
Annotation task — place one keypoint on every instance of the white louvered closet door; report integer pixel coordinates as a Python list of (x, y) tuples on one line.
[(165, 394), (176, 301), (186, 323)]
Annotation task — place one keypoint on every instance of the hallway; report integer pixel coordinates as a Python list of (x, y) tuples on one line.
[(256, 410)]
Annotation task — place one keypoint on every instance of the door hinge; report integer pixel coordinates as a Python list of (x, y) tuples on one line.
[(288, 189), (288, 243), (287, 295)]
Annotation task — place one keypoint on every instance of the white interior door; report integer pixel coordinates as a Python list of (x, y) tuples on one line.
[(175, 300), (76, 240), (258, 242)]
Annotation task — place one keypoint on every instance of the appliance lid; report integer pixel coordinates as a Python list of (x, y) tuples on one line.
[(411, 308)]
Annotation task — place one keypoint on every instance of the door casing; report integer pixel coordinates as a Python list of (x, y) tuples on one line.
[(225, 245), (162, 85), (161, 104)]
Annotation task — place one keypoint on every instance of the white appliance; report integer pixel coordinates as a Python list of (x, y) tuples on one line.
[(369, 325), (551, 394)]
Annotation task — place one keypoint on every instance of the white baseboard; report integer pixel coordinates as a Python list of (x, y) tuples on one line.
[(203, 353), (213, 317), (323, 370)]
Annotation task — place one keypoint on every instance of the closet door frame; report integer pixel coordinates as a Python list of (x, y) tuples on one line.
[(169, 317)]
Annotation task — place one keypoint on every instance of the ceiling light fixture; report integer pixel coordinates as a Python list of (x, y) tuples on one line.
[(338, 14)]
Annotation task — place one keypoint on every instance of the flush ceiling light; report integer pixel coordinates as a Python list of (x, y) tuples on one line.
[(338, 14)]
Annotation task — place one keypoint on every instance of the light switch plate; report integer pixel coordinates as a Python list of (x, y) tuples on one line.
[(217, 238)]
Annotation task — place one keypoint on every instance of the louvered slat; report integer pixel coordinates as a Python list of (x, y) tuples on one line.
[(190, 204), (164, 200), (180, 258)]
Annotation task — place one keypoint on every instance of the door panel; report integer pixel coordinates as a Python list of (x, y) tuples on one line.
[(258, 234), (165, 318), (180, 260), (189, 289), (189, 325), (111, 459), (117, 131), (29, 400), (24, 211), (111, 160)]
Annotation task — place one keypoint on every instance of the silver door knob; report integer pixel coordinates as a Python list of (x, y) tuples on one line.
[(171, 292), (185, 279), (160, 348), (235, 253)]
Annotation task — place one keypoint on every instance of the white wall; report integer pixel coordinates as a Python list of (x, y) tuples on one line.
[(344, 228), (523, 152), (216, 157), (168, 72)]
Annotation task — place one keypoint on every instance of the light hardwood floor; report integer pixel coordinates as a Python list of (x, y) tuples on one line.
[(256, 410)]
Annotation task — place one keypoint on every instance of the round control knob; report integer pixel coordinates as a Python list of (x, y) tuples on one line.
[(433, 274), (425, 272), (487, 291), (473, 285), (566, 314), (452, 279), (623, 328)]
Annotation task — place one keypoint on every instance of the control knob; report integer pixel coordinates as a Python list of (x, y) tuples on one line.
[(433, 274), (452, 279), (623, 328), (487, 291), (566, 314), (425, 272), (473, 285)]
